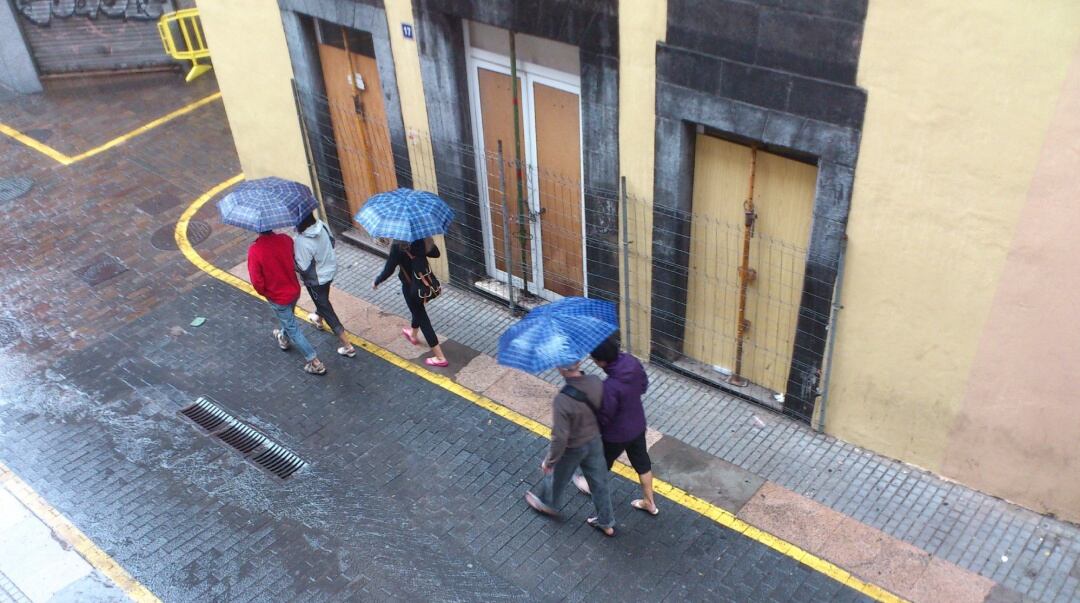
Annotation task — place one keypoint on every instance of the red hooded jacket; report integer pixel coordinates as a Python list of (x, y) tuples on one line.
[(271, 268)]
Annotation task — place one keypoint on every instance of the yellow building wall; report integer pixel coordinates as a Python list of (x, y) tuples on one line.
[(251, 63), (413, 107), (961, 95), (642, 23)]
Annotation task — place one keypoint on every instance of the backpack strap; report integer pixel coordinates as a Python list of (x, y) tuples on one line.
[(580, 396)]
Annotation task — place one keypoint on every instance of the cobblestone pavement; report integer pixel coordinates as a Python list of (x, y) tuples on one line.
[(1033, 555), (410, 492), (84, 416)]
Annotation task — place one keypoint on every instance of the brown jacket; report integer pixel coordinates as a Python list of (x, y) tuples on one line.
[(572, 423)]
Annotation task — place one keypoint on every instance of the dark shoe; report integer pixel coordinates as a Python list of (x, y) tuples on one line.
[(594, 522)]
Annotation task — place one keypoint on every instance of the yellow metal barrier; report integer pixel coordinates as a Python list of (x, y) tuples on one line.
[(193, 46)]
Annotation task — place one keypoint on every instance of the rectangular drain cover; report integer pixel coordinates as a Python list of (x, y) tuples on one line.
[(255, 446)]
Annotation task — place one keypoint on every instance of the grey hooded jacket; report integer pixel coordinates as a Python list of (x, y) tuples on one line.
[(313, 251)]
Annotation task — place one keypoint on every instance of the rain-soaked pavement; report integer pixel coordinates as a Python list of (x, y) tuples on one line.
[(410, 493)]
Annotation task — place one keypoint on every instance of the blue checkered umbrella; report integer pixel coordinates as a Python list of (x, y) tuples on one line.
[(557, 334), (266, 204), (405, 214)]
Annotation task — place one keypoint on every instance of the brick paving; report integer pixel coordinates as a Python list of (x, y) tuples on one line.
[(973, 530), (104, 341), (411, 492)]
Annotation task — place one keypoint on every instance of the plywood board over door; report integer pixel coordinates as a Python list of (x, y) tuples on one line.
[(497, 121), (557, 115), (783, 200), (358, 117)]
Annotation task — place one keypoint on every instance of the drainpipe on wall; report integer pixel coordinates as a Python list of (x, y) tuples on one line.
[(833, 320)]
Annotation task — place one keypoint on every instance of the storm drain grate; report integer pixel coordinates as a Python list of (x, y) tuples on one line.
[(102, 268), (244, 438), (164, 238), (13, 188)]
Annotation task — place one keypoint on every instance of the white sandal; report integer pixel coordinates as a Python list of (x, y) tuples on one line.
[(348, 352)]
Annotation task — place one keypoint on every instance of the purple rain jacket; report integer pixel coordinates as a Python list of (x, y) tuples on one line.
[(622, 417)]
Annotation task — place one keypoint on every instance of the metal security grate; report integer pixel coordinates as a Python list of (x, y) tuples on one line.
[(13, 188), (244, 438)]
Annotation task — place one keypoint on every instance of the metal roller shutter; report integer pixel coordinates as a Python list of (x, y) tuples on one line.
[(70, 36)]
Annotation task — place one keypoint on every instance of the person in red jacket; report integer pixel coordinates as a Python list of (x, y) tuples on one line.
[(271, 268)]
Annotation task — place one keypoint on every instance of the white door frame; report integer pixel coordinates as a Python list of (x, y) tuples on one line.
[(529, 74)]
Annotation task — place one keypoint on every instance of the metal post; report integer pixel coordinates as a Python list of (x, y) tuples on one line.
[(836, 307), (523, 237), (628, 344), (507, 249), (312, 171), (746, 276)]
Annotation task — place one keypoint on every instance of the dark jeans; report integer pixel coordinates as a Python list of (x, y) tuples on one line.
[(420, 318), (320, 295), (590, 458)]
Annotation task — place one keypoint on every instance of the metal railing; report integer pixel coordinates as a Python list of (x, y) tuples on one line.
[(191, 45)]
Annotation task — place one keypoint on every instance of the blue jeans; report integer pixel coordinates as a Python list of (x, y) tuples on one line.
[(590, 458), (291, 328)]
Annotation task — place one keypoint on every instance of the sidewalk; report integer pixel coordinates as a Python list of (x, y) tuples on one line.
[(812, 484), (39, 565)]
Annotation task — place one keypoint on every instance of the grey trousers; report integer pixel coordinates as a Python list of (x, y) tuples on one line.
[(590, 458)]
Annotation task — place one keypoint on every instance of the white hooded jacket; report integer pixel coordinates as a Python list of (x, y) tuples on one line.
[(313, 251)]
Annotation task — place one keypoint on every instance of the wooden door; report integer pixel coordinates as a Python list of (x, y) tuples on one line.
[(557, 128), (783, 200), (358, 117), (497, 122)]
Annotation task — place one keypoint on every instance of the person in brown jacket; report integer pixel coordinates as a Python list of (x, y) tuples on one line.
[(575, 442)]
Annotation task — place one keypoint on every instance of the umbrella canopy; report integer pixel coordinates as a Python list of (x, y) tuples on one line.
[(405, 214), (558, 334), (266, 204)]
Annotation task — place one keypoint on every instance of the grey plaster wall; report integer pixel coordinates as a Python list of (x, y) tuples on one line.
[(366, 16), (778, 73), (593, 28), (17, 71)]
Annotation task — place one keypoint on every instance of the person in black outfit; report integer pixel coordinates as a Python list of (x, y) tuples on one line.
[(410, 259)]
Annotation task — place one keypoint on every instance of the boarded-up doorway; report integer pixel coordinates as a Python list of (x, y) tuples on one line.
[(782, 201), (551, 203), (357, 114)]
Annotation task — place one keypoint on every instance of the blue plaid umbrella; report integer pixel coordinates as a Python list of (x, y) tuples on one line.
[(405, 214), (266, 204), (557, 334)]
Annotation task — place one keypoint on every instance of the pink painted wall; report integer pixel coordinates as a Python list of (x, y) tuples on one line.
[(1017, 434)]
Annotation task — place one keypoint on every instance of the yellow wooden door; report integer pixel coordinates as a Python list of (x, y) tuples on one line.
[(557, 116), (358, 117), (497, 121), (783, 201)]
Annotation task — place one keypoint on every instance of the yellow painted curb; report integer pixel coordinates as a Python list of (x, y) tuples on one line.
[(675, 494), (64, 159), (66, 531)]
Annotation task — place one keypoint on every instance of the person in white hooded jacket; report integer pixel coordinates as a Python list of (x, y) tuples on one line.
[(313, 249)]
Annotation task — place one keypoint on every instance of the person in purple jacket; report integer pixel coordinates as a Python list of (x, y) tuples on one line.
[(622, 419)]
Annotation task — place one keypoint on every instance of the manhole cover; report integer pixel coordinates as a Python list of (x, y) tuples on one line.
[(244, 438), (9, 331), (100, 269), (13, 188), (164, 238)]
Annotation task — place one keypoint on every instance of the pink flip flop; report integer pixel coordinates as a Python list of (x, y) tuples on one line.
[(433, 361), (408, 335)]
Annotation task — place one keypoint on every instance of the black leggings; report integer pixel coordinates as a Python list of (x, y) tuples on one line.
[(320, 295), (419, 315), (637, 450)]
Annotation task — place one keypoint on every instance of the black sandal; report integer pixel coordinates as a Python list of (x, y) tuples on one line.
[(595, 522)]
